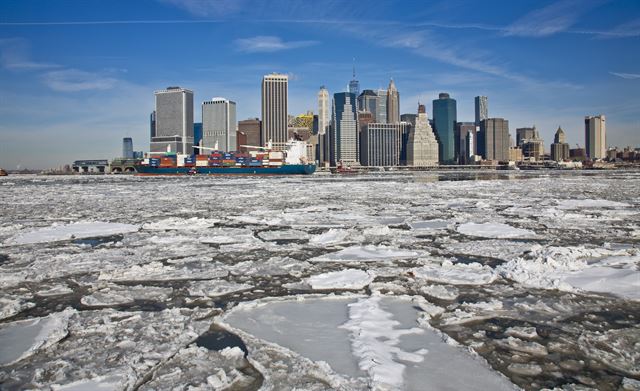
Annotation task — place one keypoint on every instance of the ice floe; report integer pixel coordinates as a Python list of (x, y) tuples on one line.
[(22, 338), (458, 273), (118, 295), (366, 254), (494, 230), (332, 236), (156, 271), (216, 288), (343, 279), (179, 224), (590, 204), (79, 230), (387, 346)]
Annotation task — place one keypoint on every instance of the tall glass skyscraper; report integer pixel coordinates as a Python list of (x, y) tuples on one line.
[(127, 148), (354, 85), (482, 108), (344, 129), (445, 117)]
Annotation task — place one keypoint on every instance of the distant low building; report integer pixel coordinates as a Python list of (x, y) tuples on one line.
[(99, 166), (515, 154)]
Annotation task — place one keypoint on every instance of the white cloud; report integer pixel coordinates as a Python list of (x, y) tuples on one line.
[(73, 80), (554, 18), (629, 76), (268, 43)]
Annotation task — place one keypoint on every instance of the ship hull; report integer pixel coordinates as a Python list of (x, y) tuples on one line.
[(289, 169)]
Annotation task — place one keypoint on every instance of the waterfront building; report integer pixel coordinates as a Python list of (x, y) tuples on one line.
[(444, 119), (523, 134), (422, 145), (381, 144), (481, 108), (493, 139), (127, 148), (173, 121), (219, 124), (465, 139), (368, 101), (578, 153), (532, 145), (560, 147), (393, 103), (515, 154), (344, 129), (275, 98), (381, 109), (595, 136)]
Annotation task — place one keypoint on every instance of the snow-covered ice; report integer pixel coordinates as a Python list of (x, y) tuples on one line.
[(458, 273), (366, 253)]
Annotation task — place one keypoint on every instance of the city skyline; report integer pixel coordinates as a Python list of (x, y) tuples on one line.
[(78, 77)]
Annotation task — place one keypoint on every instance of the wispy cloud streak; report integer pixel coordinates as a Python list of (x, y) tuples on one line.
[(628, 76), (268, 43)]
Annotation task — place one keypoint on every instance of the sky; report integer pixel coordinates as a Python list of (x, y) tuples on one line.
[(76, 76)]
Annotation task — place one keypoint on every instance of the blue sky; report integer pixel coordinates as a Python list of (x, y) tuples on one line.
[(77, 76)]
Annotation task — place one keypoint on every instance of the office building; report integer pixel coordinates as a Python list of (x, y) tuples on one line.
[(364, 118), (344, 129), (560, 147), (381, 107), (381, 144), (219, 124), (354, 85), (127, 148), (465, 137), (532, 145), (250, 133), (481, 108), (493, 139), (422, 145), (173, 121), (595, 137), (368, 101), (445, 119), (523, 134), (197, 137), (393, 103), (275, 97)]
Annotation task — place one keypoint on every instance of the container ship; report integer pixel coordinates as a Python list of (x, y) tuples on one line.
[(260, 161)]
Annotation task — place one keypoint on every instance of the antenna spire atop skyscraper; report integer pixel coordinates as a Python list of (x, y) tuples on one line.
[(354, 68)]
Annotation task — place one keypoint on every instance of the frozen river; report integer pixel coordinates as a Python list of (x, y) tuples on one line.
[(390, 281)]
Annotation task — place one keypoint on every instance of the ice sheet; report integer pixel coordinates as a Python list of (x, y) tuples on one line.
[(79, 230), (459, 273), (216, 288), (343, 279)]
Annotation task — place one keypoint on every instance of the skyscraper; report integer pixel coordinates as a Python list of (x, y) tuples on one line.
[(482, 108), (493, 139), (197, 137), (595, 136), (393, 103), (560, 147), (354, 85), (275, 96), (381, 144), (444, 118), (465, 133), (532, 145), (219, 124), (422, 146), (127, 148), (344, 129), (381, 109), (368, 101), (174, 121), (324, 111)]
